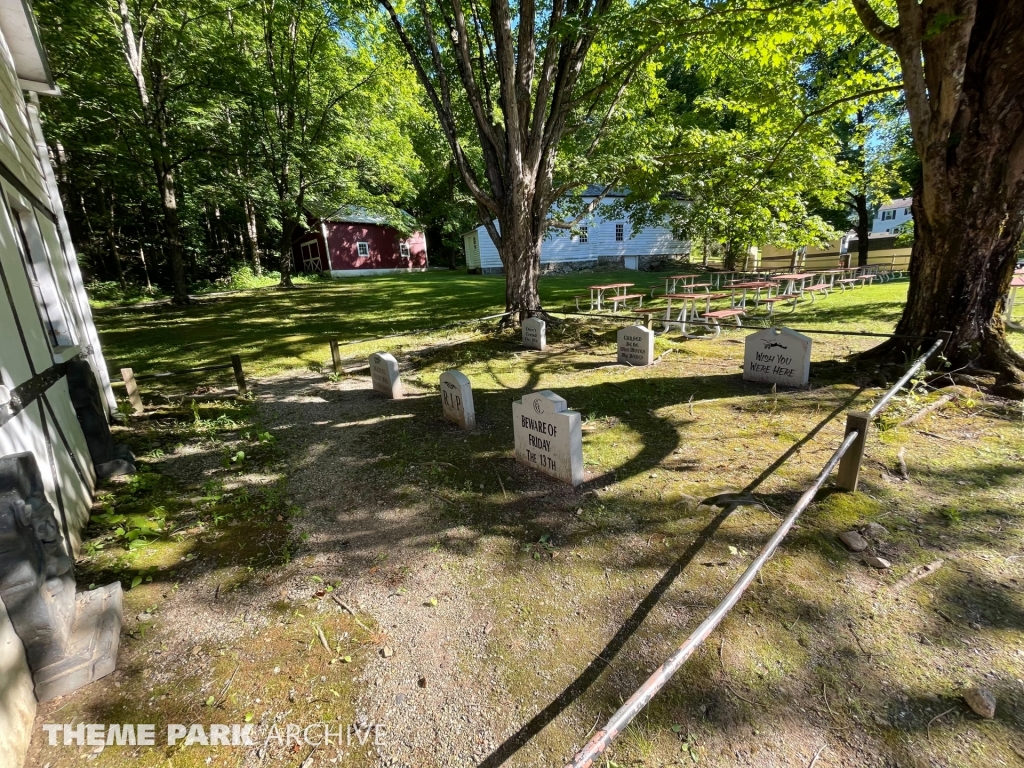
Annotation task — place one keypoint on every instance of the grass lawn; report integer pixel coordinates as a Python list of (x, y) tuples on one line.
[(532, 609)]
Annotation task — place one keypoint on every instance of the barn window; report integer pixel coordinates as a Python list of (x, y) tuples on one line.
[(403, 249), (620, 232), (584, 234), (41, 278), (363, 249)]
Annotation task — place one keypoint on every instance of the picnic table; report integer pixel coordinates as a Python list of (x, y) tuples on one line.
[(751, 285), (597, 293), (688, 310), (831, 274), (1011, 298), (791, 280), (688, 281)]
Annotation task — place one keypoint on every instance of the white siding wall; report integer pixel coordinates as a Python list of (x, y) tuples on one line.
[(562, 247), (48, 427)]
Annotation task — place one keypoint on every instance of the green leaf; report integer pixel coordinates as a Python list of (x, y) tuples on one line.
[(210, 701), (136, 581)]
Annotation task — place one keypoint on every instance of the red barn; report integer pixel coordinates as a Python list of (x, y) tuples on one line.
[(353, 242)]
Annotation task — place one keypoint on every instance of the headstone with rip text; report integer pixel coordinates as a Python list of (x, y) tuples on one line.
[(534, 331), (636, 345), (457, 399), (384, 375), (777, 356), (548, 437)]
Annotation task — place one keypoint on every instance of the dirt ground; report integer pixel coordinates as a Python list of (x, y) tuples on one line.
[(366, 563)]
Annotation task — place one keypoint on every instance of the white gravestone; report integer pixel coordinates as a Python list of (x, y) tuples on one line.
[(534, 330), (548, 437), (384, 374), (636, 345), (777, 356), (457, 399)]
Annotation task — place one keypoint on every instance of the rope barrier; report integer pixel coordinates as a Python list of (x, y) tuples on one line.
[(642, 696)]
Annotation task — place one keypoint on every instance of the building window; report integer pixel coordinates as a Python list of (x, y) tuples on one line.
[(403, 250), (41, 278), (620, 233), (584, 234), (677, 236), (906, 211), (363, 249)]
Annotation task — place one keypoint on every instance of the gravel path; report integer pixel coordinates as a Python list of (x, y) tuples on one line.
[(437, 707)]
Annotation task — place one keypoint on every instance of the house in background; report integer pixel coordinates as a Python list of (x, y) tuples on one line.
[(353, 241), (602, 238), (55, 408), (891, 217)]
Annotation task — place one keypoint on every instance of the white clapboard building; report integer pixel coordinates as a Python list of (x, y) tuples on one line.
[(604, 237), (55, 406)]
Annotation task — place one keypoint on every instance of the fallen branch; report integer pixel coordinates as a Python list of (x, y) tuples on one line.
[(928, 728), (338, 600), (817, 754), (926, 410), (323, 639)]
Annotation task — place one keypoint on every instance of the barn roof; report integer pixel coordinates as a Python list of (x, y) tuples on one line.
[(352, 214)]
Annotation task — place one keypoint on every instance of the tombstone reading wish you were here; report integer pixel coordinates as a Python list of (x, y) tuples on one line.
[(534, 332), (548, 437), (457, 399), (777, 356), (384, 375), (636, 345)]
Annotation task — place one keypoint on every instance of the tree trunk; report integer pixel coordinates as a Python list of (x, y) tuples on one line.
[(863, 229), (960, 272), (964, 88), (172, 237), (251, 237), (521, 257), (287, 233), (112, 244)]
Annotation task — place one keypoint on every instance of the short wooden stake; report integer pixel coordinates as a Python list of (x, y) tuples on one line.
[(849, 465), (336, 356), (133, 389), (236, 363)]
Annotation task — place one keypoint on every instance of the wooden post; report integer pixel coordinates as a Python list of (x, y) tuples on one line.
[(236, 363), (849, 465), (133, 389), (336, 356)]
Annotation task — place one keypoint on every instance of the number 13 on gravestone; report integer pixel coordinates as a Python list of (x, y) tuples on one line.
[(548, 437)]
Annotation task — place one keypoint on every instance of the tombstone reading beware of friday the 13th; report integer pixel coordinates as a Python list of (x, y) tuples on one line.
[(548, 437), (777, 356), (636, 345), (384, 375), (534, 331), (457, 399)]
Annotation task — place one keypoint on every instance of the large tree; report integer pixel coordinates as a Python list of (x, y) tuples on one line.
[(963, 75), (329, 103), (516, 70)]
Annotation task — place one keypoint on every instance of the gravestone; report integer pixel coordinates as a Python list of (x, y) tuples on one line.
[(548, 437), (457, 399), (636, 345), (384, 375), (777, 356), (534, 330)]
